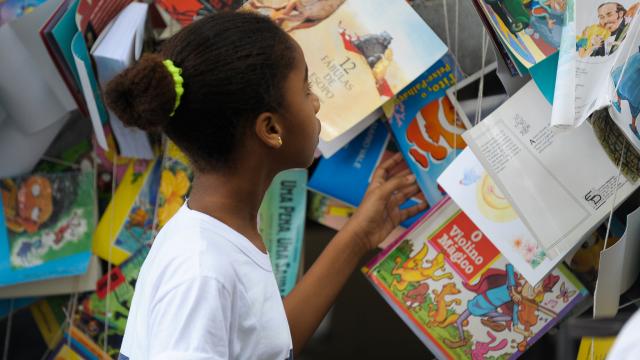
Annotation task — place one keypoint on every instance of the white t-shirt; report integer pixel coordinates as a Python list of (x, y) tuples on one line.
[(205, 292), (627, 344)]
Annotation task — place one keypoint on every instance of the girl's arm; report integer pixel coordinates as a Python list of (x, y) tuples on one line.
[(377, 216)]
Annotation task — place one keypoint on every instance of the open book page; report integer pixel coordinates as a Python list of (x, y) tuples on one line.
[(601, 30), (564, 95), (473, 190), (561, 184), (624, 86)]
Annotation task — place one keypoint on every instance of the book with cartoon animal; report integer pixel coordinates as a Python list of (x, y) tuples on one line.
[(46, 226), (562, 185), (357, 52), (529, 30), (282, 219), (473, 190), (452, 287), (127, 222), (346, 175), (425, 125)]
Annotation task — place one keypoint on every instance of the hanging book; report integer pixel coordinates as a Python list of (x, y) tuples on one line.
[(46, 226), (460, 296), (357, 52)]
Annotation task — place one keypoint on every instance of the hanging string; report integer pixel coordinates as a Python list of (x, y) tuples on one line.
[(107, 310), (446, 23), (61, 162), (164, 147), (7, 336), (485, 46)]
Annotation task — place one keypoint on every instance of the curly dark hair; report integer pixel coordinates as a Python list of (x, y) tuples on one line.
[(234, 65)]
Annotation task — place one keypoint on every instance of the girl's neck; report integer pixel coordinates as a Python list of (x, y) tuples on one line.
[(233, 198)]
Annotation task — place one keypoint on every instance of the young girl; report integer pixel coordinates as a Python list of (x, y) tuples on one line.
[(231, 90)]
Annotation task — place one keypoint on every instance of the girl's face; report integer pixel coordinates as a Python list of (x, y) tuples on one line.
[(301, 127)]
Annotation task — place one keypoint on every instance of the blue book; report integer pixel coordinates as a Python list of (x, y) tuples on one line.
[(346, 175), (425, 126), (46, 226)]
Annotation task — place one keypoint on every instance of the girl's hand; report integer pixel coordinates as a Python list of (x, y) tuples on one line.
[(380, 213)]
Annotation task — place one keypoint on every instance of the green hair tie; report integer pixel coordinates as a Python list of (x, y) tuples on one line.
[(177, 80)]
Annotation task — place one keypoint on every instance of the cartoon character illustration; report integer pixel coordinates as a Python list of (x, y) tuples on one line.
[(413, 270), (565, 294), (626, 79), (547, 18), (513, 13), (616, 20), (307, 13), (375, 50), (494, 303), (442, 132), (528, 304), (481, 349), (492, 203), (27, 252), (590, 39), (27, 206), (439, 315), (416, 297)]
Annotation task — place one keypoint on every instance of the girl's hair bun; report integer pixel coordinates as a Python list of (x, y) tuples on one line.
[(143, 95)]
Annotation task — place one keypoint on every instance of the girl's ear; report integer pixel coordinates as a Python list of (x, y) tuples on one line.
[(269, 129)]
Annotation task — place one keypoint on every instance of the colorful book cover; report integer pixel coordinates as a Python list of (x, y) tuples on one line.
[(282, 218), (473, 190), (356, 163), (75, 345), (175, 183), (118, 287), (426, 127), (452, 287), (47, 226), (128, 221), (530, 30), (358, 52), (187, 11), (328, 211)]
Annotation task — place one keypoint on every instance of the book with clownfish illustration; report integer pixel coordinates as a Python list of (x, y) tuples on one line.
[(452, 287)]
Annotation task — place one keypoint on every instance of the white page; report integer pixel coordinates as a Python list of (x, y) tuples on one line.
[(561, 184), (119, 46), (328, 148), (24, 93), (27, 29), (619, 262), (463, 181)]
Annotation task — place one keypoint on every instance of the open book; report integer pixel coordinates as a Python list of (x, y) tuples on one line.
[(599, 65), (562, 185)]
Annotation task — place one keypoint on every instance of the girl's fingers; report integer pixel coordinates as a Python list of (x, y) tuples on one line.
[(404, 194), (411, 211), (381, 173), (396, 183)]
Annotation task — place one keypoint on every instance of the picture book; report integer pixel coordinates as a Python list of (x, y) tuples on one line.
[(530, 31), (334, 214), (356, 163), (282, 218), (77, 346), (46, 226), (559, 204), (187, 11), (426, 127), (455, 291), (358, 52), (602, 51), (127, 222), (175, 183), (473, 190), (49, 315)]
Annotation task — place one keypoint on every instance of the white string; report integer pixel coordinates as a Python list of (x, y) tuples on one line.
[(60, 162), (446, 22), (7, 336), (485, 45), (107, 312)]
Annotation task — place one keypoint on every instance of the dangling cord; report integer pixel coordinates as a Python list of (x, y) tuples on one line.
[(485, 45), (164, 146), (61, 162), (7, 336), (107, 312), (446, 23)]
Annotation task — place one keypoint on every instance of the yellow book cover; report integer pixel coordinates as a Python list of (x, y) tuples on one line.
[(127, 222), (595, 348), (175, 183)]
